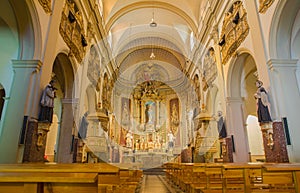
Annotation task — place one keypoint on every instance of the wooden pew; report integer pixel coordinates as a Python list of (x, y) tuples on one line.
[(241, 177), (280, 178), (199, 181), (186, 176), (48, 178), (214, 177)]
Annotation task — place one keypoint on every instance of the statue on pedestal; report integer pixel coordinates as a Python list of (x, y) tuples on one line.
[(47, 103), (129, 139), (171, 139), (263, 104), (263, 112)]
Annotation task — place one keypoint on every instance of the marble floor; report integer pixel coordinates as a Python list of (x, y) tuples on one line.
[(157, 184)]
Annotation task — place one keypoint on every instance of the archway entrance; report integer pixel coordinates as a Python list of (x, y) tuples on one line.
[(241, 107), (59, 147)]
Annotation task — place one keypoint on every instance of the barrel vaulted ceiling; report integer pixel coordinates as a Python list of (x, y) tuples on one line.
[(132, 39)]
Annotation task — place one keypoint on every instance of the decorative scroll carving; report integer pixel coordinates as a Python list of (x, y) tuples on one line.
[(72, 30), (264, 5), (234, 31), (93, 72), (209, 68), (46, 4)]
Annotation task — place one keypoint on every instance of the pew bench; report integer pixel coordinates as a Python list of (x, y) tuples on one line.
[(62, 178)]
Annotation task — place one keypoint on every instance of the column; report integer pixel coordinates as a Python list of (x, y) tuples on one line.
[(26, 72), (236, 129), (64, 154), (285, 100)]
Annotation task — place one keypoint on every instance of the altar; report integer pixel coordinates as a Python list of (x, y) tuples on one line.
[(147, 159)]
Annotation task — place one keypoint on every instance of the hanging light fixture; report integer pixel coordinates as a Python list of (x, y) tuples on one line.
[(152, 56), (153, 23)]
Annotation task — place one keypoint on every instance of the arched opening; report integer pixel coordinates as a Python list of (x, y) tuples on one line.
[(241, 104), (255, 139), (60, 139)]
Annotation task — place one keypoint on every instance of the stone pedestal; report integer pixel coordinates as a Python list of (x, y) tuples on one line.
[(227, 150), (35, 143), (275, 143)]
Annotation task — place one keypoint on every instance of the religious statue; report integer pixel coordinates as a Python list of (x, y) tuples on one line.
[(83, 126), (171, 139), (263, 113), (129, 139), (221, 126), (263, 104), (148, 114), (125, 115), (47, 103)]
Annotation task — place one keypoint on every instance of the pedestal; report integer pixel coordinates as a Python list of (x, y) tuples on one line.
[(227, 150), (35, 144), (275, 143)]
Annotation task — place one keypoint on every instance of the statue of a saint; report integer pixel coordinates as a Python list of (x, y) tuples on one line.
[(171, 139), (263, 104), (47, 103), (129, 139), (125, 115), (148, 114), (221, 126)]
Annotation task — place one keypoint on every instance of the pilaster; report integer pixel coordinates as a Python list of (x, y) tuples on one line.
[(237, 129), (286, 99), (64, 154), (19, 108)]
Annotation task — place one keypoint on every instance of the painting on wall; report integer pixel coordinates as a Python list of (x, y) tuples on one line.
[(174, 116)]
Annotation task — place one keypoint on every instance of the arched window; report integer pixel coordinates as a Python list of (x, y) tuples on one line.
[(2, 95)]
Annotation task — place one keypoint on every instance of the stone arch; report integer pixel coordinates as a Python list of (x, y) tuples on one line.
[(282, 28), (64, 107), (28, 26), (240, 85)]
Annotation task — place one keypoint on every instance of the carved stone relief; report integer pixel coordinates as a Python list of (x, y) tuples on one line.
[(234, 30), (264, 5), (93, 72), (72, 30), (209, 69), (46, 4)]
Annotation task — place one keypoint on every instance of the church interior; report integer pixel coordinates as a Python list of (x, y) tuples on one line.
[(149, 96)]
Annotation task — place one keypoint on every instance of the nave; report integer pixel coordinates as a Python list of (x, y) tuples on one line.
[(157, 183)]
